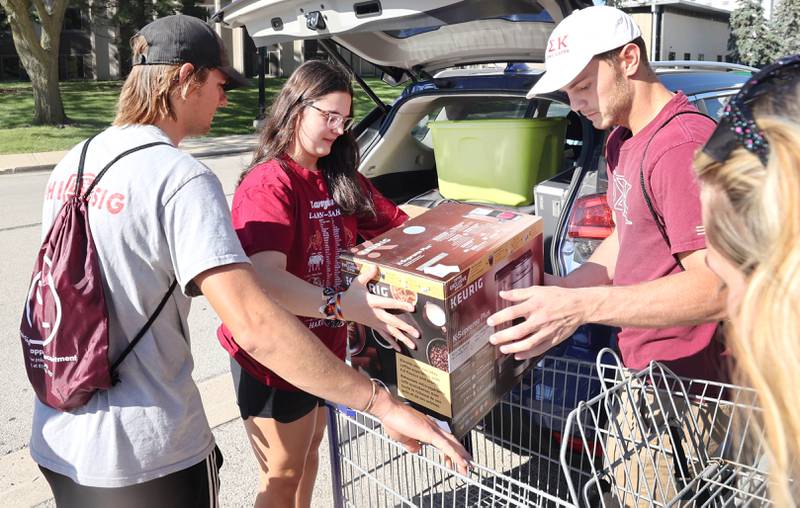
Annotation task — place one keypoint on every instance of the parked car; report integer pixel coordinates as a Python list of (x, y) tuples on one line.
[(467, 60)]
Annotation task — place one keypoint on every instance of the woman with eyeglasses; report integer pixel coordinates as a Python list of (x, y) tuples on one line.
[(300, 204), (749, 172)]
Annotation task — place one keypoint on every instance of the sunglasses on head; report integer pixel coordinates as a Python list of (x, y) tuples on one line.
[(737, 127)]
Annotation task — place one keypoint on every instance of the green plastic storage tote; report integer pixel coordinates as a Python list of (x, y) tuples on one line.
[(497, 160)]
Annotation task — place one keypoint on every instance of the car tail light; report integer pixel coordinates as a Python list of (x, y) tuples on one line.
[(591, 218), (590, 223)]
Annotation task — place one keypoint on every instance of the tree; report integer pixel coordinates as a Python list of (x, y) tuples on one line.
[(131, 15), (785, 26), (38, 51), (750, 41)]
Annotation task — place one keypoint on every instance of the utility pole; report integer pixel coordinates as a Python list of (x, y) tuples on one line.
[(654, 35), (262, 95)]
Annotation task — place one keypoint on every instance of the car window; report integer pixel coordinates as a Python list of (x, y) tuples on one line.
[(573, 143), (472, 108), (469, 108), (558, 109), (715, 105), (421, 132)]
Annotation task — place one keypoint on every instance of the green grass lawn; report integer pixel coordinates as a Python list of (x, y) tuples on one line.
[(91, 106)]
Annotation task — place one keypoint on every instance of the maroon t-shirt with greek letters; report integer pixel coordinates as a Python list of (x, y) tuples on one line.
[(287, 208), (643, 253)]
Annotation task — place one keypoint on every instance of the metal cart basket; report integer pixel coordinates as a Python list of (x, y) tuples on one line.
[(574, 434)]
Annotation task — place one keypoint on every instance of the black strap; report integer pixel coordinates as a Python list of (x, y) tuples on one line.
[(153, 316), (78, 185), (113, 161), (662, 228), (79, 180)]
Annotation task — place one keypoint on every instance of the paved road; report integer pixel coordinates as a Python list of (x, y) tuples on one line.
[(20, 485)]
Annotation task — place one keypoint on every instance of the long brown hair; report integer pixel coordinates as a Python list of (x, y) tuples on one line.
[(753, 220), (312, 80)]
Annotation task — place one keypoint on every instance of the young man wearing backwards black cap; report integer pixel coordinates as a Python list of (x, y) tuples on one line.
[(651, 281), (158, 215)]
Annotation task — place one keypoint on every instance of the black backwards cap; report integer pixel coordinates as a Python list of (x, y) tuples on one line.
[(180, 39)]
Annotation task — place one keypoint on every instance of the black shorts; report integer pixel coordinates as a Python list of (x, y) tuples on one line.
[(194, 487), (257, 399)]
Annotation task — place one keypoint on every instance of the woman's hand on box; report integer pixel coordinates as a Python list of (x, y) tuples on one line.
[(379, 312), (551, 314)]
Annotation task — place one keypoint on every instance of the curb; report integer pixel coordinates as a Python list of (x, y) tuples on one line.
[(220, 153), (25, 169)]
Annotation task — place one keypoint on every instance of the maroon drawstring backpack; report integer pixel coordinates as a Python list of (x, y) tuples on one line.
[(64, 328)]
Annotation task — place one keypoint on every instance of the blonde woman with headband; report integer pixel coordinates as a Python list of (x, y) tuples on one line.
[(750, 176)]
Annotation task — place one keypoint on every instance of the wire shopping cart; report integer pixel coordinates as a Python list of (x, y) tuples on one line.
[(596, 444), (667, 441)]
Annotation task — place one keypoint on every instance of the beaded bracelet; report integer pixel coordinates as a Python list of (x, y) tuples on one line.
[(332, 308)]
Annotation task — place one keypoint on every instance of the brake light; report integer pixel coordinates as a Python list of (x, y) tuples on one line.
[(591, 218)]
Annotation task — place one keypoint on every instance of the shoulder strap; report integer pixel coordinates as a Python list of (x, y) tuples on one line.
[(79, 180), (150, 321), (138, 337), (656, 217), (113, 161)]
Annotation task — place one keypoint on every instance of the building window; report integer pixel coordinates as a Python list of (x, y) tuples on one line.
[(687, 56), (701, 56), (75, 67), (11, 69), (719, 58), (73, 20), (671, 55)]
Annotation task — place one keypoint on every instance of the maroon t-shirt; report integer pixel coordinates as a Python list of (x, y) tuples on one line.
[(643, 253), (288, 209)]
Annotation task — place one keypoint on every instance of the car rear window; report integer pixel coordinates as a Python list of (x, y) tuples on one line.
[(470, 108)]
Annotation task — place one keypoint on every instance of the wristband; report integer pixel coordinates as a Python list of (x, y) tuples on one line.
[(332, 308)]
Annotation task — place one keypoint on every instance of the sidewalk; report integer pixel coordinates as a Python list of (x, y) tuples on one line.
[(198, 147), (22, 484)]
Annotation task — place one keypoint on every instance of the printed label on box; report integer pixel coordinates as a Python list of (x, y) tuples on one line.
[(423, 384), (469, 340)]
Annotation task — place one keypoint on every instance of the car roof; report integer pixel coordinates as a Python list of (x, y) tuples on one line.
[(695, 82)]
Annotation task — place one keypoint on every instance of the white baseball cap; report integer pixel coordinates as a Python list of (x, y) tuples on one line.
[(579, 37)]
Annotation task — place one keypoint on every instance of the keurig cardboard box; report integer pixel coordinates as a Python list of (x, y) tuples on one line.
[(450, 262)]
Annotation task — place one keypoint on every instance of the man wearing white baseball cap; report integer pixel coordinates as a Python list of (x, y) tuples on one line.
[(649, 276), (580, 37)]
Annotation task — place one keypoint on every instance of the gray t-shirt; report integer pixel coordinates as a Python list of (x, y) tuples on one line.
[(156, 215)]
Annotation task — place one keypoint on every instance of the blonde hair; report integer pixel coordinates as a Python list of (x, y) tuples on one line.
[(753, 220), (146, 93)]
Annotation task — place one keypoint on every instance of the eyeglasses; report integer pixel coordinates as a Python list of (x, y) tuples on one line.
[(737, 127), (335, 120)]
